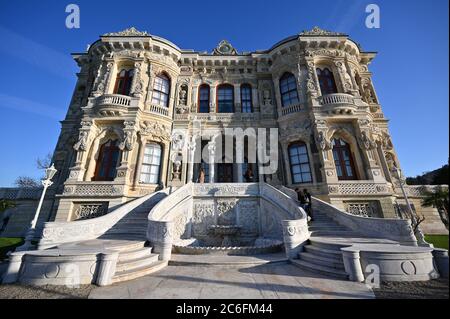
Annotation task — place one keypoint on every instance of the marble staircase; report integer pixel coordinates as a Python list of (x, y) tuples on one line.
[(323, 253)]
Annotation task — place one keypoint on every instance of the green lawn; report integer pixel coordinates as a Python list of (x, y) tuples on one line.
[(7, 244), (439, 241)]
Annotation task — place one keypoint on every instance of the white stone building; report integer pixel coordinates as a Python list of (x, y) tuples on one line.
[(134, 89)]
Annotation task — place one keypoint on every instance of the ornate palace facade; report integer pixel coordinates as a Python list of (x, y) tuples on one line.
[(135, 89)]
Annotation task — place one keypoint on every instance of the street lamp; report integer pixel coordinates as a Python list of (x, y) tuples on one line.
[(46, 182)]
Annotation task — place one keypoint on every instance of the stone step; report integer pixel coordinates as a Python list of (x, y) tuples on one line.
[(330, 254), (323, 270), (138, 272), (326, 227), (136, 263), (125, 236), (126, 245), (321, 260), (134, 254), (334, 233), (328, 245)]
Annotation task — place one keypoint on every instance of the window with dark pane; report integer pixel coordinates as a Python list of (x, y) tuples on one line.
[(108, 158), (246, 98), (225, 99), (343, 160), (123, 82), (203, 99), (288, 90), (299, 161), (326, 81)]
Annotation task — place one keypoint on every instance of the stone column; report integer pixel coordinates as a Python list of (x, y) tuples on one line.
[(191, 147), (323, 143), (13, 271), (212, 154), (237, 99), (160, 236), (126, 146), (352, 265), (295, 236), (212, 99), (77, 171), (106, 268)]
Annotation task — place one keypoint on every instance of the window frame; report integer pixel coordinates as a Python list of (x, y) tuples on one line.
[(292, 101), (127, 80), (110, 169), (300, 163), (150, 164), (246, 86), (162, 76), (222, 87), (328, 79), (341, 161), (199, 99)]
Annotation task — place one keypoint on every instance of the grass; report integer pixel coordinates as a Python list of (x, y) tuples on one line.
[(7, 244), (439, 241)]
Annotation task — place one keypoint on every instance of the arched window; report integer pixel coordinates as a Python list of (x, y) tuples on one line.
[(299, 160), (343, 160), (326, 81), (123, 82), (225, 99), (203, 98), (161, 90), (246, 98), (151, 164), (108, 158), (288, 89)]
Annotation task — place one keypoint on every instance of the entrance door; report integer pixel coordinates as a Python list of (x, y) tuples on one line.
[(225, 173)]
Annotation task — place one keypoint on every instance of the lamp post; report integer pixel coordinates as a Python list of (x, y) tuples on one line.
[(46, 182)]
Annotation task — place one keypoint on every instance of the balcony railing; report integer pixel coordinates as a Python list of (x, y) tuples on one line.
[(157, 109), (114, 100), (338, 103), (291, 109)]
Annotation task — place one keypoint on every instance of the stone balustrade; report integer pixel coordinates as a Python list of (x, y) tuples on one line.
[(55, 233), (93, 189), (113, 100), (352, 188), (291, 109), (338, 103), (260, 210), (399, 230), (157, 109)]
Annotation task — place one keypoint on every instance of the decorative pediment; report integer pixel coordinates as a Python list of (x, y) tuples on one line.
[(316, 31), (155, 131), (130, 32), (225, 48)]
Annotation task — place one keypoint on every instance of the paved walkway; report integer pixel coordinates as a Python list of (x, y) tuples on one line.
[(278, 280)]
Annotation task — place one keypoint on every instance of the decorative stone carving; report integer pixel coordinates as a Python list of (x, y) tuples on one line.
[(226, 214), (366, 142), (129, 136), (316, 31), (224, 48), (130, 32), (156, 131)]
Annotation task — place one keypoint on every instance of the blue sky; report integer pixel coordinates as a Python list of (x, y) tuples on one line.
[(38, 75)]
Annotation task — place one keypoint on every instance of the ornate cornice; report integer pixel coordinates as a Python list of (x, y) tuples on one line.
[(316, 31), (130, 32)]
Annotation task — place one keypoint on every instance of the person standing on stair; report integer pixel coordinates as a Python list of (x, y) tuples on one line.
[(308, 205)]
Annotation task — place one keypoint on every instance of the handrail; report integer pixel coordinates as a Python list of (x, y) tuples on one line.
[(399, 230), (55, 233)]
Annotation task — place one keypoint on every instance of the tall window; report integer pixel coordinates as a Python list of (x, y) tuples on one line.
[(246, 98), (288, 89), (123, 82), (300, 168), (107, 162), (151, 164), (161, 89), (326, 81), (225, 99), (203, 99), (343, 160)]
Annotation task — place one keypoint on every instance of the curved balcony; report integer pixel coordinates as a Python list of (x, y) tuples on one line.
[(338, 103), (112, 104)]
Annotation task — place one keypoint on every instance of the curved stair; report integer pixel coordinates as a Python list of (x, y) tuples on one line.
[(323, 252)]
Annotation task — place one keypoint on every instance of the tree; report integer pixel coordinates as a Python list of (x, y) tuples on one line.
[(6, 204), (43, 163), (439, 200), (26, 182)]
